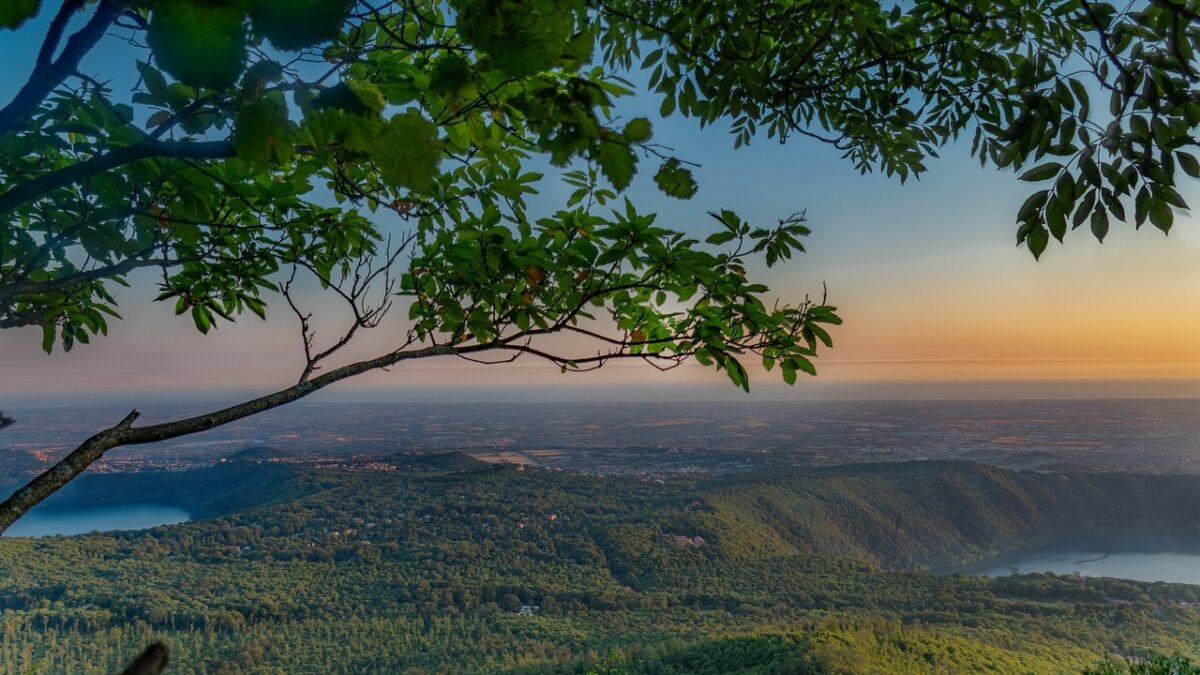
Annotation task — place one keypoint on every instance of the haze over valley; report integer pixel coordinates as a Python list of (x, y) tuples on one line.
[(1145, 436)]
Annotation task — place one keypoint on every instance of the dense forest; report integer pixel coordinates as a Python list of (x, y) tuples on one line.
[(446, 565), (921, 514)]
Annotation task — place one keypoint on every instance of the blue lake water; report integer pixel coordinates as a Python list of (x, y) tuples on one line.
[(45, 522), (1144, 557)]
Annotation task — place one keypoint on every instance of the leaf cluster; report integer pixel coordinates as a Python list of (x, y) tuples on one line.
[(888, 85)]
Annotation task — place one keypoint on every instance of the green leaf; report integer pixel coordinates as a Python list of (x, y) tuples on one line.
[(356, 98), (257, 306), (200, 43), (47, 337), (617, 162), (522, 37), (158, 118), (821, 334), (262, 136), (1056, 219), (1043, 172), (1091, 171), (1032, 204), (296, 24), (1084, 210), (737, 373), (718, 238), (789, 372), (668, 106), (1064, 188), (675, 180), (1141, 206), (201, 318), (1161, 215), (1168, 194), (638, 130), (1189, 164), (450, 75), (1099, 223), (1037, 238), (408, 152), (13, 13), (156, 84), (1081, 96), (260, 75)]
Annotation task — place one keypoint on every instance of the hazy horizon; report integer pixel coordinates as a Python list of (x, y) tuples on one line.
[(715, 392)]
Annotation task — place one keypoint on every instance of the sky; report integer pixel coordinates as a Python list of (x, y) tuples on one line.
[(938, 302)]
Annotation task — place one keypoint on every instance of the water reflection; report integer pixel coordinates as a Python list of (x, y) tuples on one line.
[(1143, 557), (43, 522)]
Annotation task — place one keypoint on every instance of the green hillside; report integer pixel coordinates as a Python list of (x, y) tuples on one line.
[(317, 571), (916, 515)]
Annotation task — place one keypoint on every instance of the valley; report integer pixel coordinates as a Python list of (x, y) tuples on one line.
[(655, 440)]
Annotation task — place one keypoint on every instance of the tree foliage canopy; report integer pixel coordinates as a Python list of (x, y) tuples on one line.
[(265, 135), (274, 135)]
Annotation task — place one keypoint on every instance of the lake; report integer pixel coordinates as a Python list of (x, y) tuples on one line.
[(46, 522), (1143, 557)]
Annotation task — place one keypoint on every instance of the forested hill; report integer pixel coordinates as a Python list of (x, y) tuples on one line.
[(490, 569), (911, 515), (921, 514)]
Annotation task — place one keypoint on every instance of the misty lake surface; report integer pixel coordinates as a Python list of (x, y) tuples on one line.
[(1143, 557), (46, 522)]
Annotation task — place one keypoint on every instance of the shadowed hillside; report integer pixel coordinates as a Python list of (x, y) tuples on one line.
[(922, 514), (205, 493)]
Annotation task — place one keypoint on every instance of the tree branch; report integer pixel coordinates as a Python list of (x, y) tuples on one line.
[(1105, 43), (152, 661), (1177, 9), (48, 73), (116, 269), (54, 33), (74, 173), (124, 433), (20, 321)]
